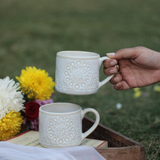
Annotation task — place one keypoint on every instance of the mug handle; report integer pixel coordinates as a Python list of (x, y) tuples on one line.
[(83, 112), (101, 59)]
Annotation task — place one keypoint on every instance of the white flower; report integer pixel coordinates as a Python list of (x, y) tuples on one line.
[(118, 105), (10, 97)]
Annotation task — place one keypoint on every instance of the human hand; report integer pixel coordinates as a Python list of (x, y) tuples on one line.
[(138, 67)]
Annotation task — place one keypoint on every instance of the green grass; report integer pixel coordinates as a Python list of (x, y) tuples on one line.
[(33, 31)]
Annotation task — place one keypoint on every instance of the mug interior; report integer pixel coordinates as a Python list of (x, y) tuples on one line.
[(59, 108), (78, 54)]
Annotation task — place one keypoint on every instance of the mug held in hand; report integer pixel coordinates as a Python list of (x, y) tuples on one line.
[(77, 72)]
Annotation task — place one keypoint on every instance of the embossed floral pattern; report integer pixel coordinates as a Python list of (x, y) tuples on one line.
[(61, 131), (78, 76)]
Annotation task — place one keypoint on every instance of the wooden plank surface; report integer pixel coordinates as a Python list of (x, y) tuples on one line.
[(121, 153), (120, 146)]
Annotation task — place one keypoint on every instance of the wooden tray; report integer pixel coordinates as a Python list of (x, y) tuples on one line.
[(120, 147)]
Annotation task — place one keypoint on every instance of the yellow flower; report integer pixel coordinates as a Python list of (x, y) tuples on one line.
[(10, 125), (137, 93), (36, 83), (136, 89), (157, 88)]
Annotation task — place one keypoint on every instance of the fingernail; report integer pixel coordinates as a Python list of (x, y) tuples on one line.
[(110, 54), (112, 71), (117, 84), (115, 79), (113, 63)]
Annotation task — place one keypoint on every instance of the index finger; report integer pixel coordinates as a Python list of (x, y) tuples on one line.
[(126, 53)]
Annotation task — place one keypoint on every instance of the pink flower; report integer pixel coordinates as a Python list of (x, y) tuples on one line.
[(41, 102), (35, 124)]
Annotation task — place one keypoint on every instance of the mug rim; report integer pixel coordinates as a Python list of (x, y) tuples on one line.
[(61, 54), (58, 113)]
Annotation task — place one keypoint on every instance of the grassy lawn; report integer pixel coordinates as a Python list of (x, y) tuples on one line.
[(33, 31)]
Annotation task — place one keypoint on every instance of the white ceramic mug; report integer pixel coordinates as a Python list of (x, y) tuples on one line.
[(60, 124), (77, 72)]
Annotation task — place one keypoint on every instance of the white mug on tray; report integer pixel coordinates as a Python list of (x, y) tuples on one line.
[(60, 124)]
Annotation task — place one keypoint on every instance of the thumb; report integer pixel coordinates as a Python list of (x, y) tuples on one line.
[(125, 53)]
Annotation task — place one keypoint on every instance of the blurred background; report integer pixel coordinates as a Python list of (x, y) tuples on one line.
[(33, 31)]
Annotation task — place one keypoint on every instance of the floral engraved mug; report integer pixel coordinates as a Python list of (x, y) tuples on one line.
[(77, 72), (60, 124)]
